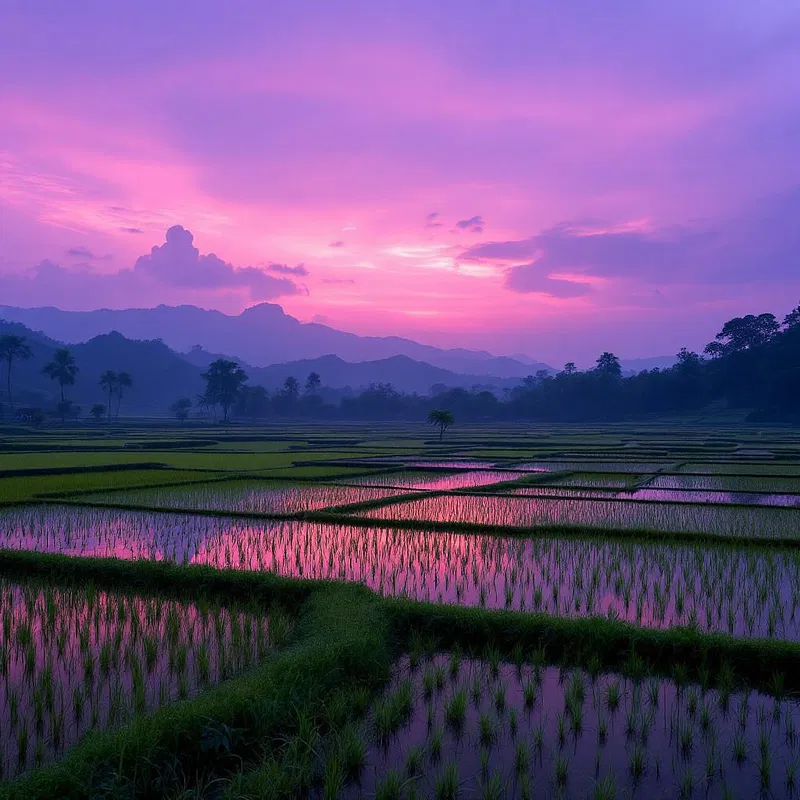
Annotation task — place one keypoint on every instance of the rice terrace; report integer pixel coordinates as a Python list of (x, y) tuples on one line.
[(361, 611)]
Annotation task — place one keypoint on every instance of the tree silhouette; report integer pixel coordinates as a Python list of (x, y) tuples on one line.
[(313, 382), (743, 333), (291, 388), (124, 381), (569, 368), (11, 348), (224, 380), (98, 411), (441, 419), (792, 319), (180, 408), (109, 380), (62, 369), (608, 364)]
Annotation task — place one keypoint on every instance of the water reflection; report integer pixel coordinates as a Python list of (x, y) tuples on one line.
[(743, 591), (73, 660)]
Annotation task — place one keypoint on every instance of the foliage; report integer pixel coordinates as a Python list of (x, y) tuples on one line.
[(13, 348), (224, 380), (64, 370), (180, 408), (442, 419)]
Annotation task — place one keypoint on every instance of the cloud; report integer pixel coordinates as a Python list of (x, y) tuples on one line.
[(131, 230), (432, 220), (473, 224), (81, 252), (337, 280), (337, 243), (179, 263), (529, 278), (761, 244), (175, 265), (85, 254), (285, 269)]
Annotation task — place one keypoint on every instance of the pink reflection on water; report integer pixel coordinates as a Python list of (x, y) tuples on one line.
[(95, 659), (741, 591), (610, 514), (434, 481)]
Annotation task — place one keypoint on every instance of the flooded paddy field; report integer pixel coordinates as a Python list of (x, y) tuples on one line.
[(454, 726), (79, 659), (742, 591), (465, 723), (648, 494), (463, 479), (254, 497), (602, 515)]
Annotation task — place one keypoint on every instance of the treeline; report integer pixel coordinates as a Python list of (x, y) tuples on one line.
[(63, 369), (753, 364)]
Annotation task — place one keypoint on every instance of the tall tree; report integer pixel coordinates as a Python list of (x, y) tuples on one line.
[(792, 319), (124, 381), (13, 348), (98, 411), (291, 388), (224, 380), (313, 382), (442, 419), (109, 380), (608, 364), (62, 369), (743, 333), (180, 408)]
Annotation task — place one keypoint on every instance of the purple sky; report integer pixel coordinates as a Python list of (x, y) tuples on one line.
[(545, 178)]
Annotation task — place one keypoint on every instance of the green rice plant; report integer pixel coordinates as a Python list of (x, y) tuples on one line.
[(456, 709), (606, 788), (486, 732), (415, 761), (521, 758), (351, 751), (561, 769), (435, 745), (493, 788), (390, 788), (333, 779), (446, 785)]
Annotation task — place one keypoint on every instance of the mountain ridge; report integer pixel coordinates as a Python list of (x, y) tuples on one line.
[(261, 335)]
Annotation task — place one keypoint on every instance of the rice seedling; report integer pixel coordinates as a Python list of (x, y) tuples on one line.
[(80, 659), (633, 581)]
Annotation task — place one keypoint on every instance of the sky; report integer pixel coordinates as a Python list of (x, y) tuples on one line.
[(548, 179)]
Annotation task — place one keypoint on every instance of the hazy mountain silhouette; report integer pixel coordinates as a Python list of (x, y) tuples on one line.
[(161, 375), (260, 335), (404, 373)]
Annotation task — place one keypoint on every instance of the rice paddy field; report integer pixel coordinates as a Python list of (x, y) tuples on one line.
[(362, 611)]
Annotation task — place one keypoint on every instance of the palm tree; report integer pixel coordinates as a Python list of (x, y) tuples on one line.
[(98, 411), (109, 380), (62, 369), (124, 381), (12, 347), (441, 419)]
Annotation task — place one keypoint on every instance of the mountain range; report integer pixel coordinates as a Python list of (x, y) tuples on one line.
[(261, 335), (160, 375)]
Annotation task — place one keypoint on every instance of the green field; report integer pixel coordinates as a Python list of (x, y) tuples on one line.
[(364, 611)]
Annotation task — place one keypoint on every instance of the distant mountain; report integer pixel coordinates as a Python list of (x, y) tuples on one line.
[(402, 372), (160, 375), (633, 366), (260, 335)]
